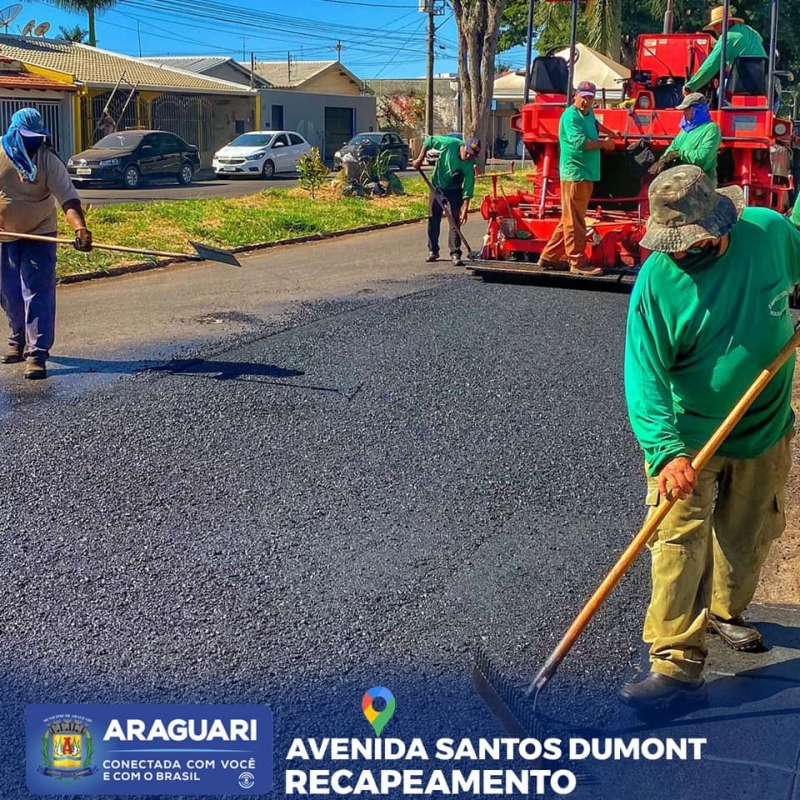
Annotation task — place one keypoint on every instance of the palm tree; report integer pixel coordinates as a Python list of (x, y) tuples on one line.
[(73, 34), (90, 7)]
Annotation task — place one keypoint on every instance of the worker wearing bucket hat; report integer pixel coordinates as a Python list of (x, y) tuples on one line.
[(708, 312), (31, 177), (742, 40)]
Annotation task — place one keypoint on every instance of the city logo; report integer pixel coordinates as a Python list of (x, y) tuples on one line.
[(378, 706), (67, 749)]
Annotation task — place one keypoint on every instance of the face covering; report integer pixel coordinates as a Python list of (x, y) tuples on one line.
[(702, 115), (32, 143), (13, 145), (697, 258)]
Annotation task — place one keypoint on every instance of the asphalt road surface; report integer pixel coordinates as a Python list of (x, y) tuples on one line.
[(335, 468), (206, 185)]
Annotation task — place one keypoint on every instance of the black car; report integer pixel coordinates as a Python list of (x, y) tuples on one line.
[(127, 158), (378, 142)]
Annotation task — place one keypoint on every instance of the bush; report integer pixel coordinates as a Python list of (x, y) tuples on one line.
[(311, 171)]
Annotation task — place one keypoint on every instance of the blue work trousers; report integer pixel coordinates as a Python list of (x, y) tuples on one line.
[(28, 294)]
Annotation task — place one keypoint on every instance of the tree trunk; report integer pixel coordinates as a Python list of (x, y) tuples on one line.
[(92, 39), (478, 24)]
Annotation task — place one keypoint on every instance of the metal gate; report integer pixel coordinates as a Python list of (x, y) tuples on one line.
[(187, 115), (339, 127), (49, 109)]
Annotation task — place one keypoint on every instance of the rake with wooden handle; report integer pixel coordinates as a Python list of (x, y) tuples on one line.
[(493, 686), (203, 252)]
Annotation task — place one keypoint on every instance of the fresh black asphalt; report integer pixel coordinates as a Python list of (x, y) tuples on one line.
[(359, 496)]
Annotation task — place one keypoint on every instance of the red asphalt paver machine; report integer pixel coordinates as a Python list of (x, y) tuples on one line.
[(757, 150)]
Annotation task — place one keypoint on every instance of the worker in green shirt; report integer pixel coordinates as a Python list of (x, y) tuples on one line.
[(795, 215), (709, 311), (578, 168), (698, 141), (742, 40), (454, 176)]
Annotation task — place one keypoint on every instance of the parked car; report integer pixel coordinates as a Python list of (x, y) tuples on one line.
[(261, 154), (432, 155), (127, 158), (376, 139)]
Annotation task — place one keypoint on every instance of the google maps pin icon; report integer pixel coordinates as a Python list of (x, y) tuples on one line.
[(378, 719)]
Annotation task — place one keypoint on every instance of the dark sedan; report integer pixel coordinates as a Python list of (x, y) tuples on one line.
[(128, 158), (379, 143)]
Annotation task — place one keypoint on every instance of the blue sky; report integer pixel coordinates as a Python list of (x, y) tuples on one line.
[(378, 39)]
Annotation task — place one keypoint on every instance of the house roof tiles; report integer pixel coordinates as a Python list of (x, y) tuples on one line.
[(283, 76), (100, 68)]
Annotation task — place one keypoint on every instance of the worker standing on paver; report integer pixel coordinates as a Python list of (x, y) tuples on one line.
[(698, 140), (32, 179), (454, 176), (579, 168), (709, 312), (742, 40)]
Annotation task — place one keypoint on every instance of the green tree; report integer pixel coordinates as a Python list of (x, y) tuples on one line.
[(90, 7), (599, 20), (73, 34)]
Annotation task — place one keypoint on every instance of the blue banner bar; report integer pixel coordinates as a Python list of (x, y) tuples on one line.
[(86, 749)]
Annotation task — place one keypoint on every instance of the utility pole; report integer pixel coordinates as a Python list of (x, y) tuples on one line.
[(432, 8), (339, 51)]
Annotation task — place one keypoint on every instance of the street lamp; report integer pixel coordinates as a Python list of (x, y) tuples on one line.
[(433, 8)]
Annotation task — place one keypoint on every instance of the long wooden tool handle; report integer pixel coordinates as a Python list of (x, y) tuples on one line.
[(444, 203), (698, 462), (116, 247)]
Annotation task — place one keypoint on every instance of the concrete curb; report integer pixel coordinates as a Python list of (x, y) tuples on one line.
[(125, 269)]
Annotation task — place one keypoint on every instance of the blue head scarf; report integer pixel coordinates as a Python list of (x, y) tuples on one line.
[(702, 114), (26, 121)]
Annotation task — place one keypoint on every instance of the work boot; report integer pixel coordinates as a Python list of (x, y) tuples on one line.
[(659, 694), (432, 256), (585, 269), (736, 633), (553, 266), (456, 259), (35, 369), (11, 355)]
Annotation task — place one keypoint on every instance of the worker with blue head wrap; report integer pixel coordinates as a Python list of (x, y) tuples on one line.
[(32, 179), (697, 142)]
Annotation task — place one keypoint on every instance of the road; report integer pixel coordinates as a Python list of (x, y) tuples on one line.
[(334, 468), (204, 186)]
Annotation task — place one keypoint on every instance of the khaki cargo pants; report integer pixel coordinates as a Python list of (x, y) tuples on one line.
[(708, 553)]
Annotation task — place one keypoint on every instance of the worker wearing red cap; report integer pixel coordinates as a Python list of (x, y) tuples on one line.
[(579, 167)]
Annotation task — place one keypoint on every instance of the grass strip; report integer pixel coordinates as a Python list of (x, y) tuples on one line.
[(266, 216)]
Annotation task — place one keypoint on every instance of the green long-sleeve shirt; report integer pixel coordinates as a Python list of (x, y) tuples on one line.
[(742, 41), (576, 163), (696, 340), (452, 171), (699, 147), (795, 217)]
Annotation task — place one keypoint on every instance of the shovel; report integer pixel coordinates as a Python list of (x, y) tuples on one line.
[(516, 714), (203, 252), (443, 202)]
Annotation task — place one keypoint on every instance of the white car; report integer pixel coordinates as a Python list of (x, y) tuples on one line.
[(260, 154)]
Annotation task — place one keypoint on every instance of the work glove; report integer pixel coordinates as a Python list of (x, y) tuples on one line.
[(671, 159), (83, 240)]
